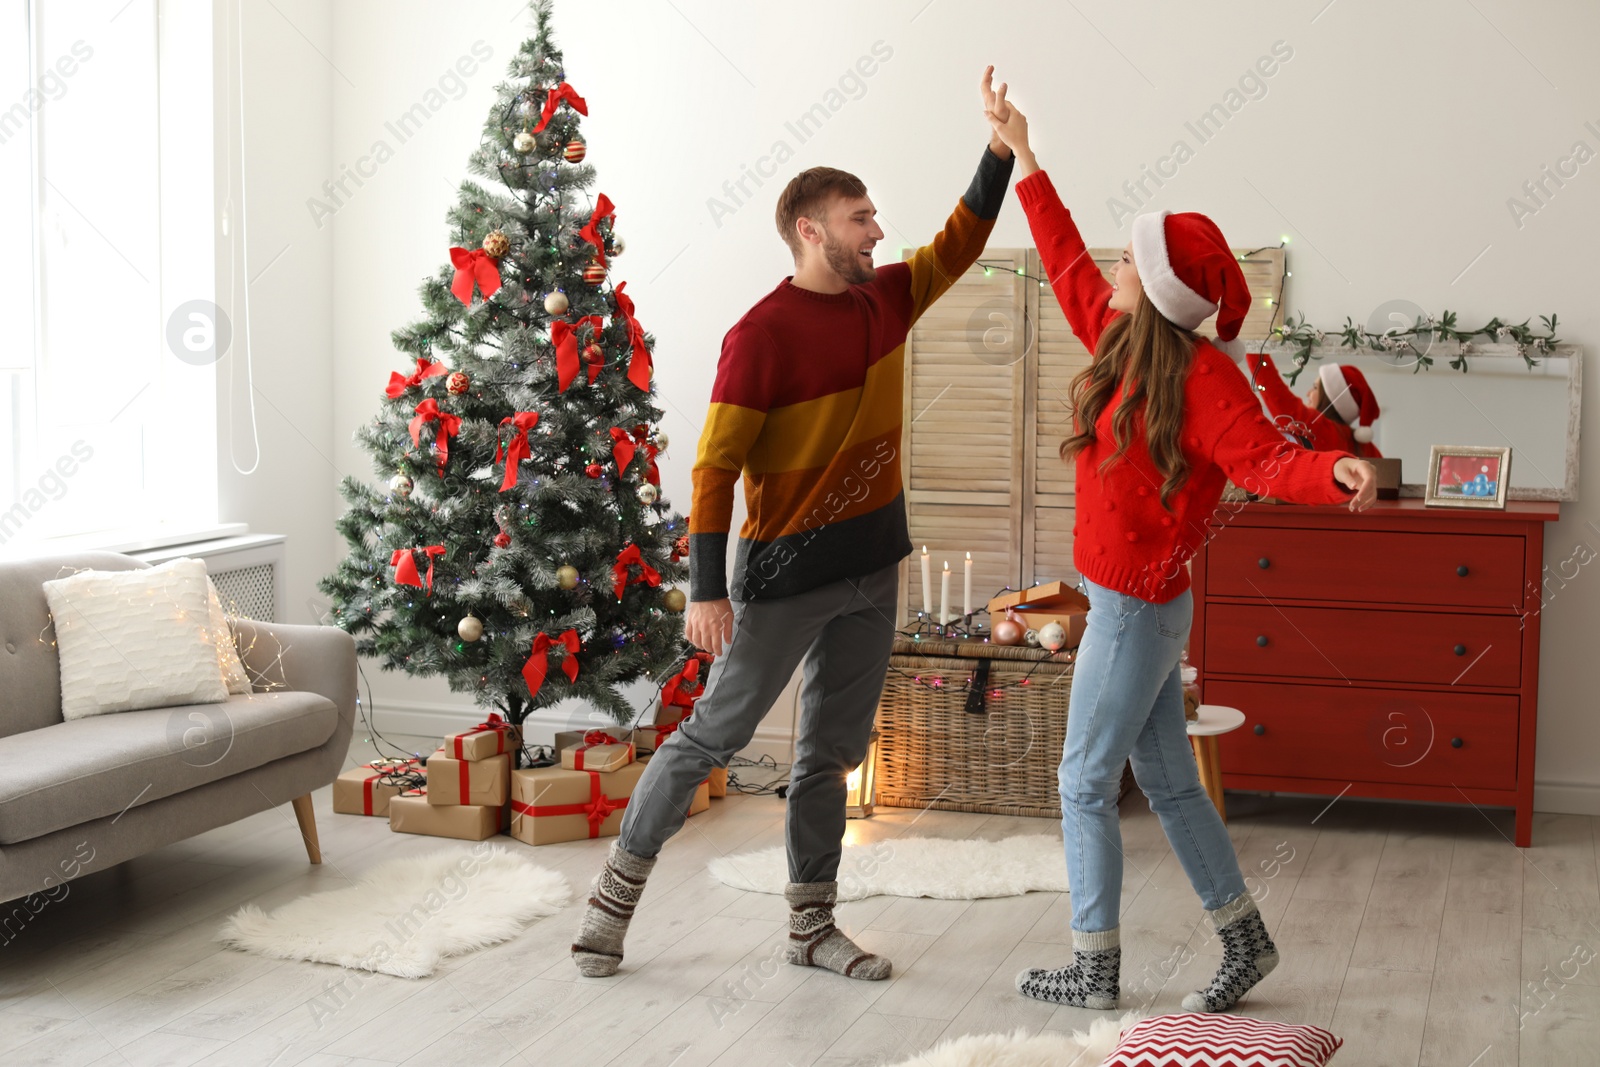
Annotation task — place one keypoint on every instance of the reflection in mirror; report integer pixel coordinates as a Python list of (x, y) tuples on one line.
[(1500, 401)]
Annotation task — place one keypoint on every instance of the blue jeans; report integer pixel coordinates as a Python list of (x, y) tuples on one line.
[(1127, 701)]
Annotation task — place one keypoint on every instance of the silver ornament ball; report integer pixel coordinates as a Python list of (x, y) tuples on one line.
[(1031, 638), (523, 142), (470, 628), (661, 442), (648, 493), (400, 485)]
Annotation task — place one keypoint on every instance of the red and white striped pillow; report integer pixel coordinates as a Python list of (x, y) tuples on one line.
[(1195, 1039)]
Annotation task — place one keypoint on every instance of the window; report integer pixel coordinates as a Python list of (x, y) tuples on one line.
[(106, 195)]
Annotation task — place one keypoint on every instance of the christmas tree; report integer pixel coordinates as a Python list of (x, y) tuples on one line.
[(521, 547)]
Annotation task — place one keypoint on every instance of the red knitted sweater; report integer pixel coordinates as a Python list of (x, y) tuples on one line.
[(1123, 538)]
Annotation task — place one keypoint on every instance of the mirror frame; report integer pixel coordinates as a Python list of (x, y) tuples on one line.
[(1444, 351)]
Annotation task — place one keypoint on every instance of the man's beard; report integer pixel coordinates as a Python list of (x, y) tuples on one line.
[(846, 262)]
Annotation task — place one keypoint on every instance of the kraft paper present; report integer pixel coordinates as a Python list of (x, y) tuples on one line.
[(410, 813), (718, 781), (594, 750), (550, 804), (367, 789), (459, 781), (646, 739), (702, 798), (489, 738)]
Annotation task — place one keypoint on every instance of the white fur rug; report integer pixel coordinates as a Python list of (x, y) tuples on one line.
[(1047, 1048), (938, 867), (404, 916)]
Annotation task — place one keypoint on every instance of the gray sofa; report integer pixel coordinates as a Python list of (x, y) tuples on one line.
[(80, 796)]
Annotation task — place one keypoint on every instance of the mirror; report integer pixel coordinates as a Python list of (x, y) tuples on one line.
[(1500, 401)]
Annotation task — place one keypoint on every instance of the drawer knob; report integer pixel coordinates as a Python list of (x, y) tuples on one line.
[(1263, 563), (1260, 729), (1261, 641), (1461, 650), (1455, 742), (1462, 570)]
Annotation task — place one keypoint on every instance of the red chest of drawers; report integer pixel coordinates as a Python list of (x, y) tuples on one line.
[(1394, 653)]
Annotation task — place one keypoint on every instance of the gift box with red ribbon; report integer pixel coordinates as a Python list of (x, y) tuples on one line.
[(410, 813), (367, 789), (461, 781), (593, 750), (489, 738), (550, 804)]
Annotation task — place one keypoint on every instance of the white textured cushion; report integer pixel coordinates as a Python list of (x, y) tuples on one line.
[(233, 672), (135, 639)]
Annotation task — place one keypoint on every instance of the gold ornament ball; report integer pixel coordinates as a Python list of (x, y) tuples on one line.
[(497, 243), (457, 383), (556, 303), (567, 576), (575, 151), (470, 628), (400, 485), (674, 600), (523, 142), (648, 493)]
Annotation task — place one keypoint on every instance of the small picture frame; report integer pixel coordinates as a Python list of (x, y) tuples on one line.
[(1468, 476)]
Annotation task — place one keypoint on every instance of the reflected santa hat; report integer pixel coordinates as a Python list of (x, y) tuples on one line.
[(1347, 390), (1190, 274)]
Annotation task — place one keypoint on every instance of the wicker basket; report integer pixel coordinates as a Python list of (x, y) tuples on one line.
[(948, 741)]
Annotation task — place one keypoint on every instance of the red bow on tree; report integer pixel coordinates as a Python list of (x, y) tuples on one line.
[(639, 364), (683, 688), (449, 426), (405, 565), (518, 449), (619, 571), (533, 671), (564, 335), (554, 97), (399, 383), (623, 448), (474, 266), (603, 209)]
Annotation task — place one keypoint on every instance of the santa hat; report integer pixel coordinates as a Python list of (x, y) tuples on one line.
[(1347, 390), (1189, 273)]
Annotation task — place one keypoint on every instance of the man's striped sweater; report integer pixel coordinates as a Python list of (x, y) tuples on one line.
[(807, 405)]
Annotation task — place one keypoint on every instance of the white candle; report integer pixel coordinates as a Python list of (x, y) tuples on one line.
[(966, 588), (927, 583), (944, 595)]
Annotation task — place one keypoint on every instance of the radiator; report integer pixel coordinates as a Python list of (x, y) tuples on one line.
[(249, 571)]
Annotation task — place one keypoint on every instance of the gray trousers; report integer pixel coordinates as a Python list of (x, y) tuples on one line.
[(845, 631)]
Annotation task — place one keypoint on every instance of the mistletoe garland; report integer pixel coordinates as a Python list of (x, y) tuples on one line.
[(1305, 337)]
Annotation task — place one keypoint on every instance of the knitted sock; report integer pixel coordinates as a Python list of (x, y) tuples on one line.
[(1248, 955), (612, 898), (815, 942), (1092, 981)]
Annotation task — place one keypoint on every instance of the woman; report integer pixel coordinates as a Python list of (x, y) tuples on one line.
[(1161, 420), (1336, 415)]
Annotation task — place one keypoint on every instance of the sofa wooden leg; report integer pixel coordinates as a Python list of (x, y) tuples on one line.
[(308, 826)]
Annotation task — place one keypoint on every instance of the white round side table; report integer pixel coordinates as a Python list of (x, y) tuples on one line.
[(1214, 720)]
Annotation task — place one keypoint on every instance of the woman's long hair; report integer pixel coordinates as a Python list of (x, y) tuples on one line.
[(1151, 357)]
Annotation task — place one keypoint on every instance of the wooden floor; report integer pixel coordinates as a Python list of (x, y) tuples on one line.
[(1418, 934)]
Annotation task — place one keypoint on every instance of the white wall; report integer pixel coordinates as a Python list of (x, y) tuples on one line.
[(1386, 147)]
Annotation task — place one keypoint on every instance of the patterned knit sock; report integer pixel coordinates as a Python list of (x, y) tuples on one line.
[(612, 898), (1093, 980), (815, 942), (1248, 955)]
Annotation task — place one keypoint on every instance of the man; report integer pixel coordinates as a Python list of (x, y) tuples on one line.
[(807, 404)]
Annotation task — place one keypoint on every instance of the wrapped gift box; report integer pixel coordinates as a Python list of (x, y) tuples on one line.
[(460, 781), (367, 789), (702, 798), (410, 813), (1047, 603), (646, 739), (718, 782), (594, 750), (550, 804), (490, 738)]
